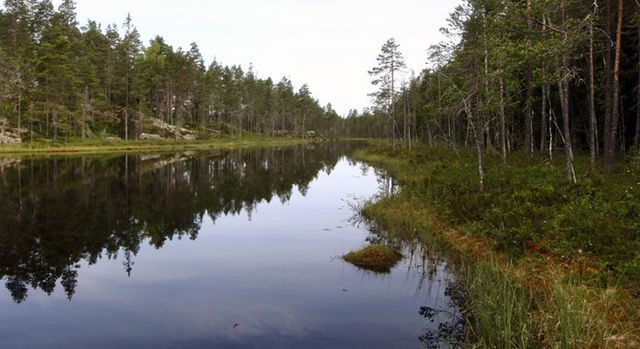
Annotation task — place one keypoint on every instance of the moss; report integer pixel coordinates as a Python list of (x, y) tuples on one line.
[(376, 258)]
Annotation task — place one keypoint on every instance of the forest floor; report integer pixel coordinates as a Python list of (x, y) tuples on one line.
[(540, 262), (107, 146)]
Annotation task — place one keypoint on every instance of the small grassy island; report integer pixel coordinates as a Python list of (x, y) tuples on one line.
[(376, 258)]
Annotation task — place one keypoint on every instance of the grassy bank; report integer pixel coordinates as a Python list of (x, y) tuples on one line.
[(541, 262), (102, 146)]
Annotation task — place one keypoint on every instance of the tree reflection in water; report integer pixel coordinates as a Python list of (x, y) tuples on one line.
[(428, 268), (59, 212)]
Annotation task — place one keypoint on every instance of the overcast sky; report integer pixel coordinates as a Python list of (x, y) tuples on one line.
[(328, 44)]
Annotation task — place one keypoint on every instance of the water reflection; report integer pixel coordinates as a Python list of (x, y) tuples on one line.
[(427, 271), (61, 211), (234, 249)]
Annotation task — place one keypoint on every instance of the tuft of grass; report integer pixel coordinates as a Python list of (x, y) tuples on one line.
[(497, 306), (376, 258)]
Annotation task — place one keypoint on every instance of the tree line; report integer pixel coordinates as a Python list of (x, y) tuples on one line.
[(59, 79), (531, 76)]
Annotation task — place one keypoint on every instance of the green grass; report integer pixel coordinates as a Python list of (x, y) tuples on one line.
[(101, 146), (376, 258), (542, 262), (497, 307)]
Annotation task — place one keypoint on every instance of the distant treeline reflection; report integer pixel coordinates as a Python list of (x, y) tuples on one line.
[(58, 212)]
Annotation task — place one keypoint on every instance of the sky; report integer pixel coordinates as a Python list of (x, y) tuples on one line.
[(328, 44)]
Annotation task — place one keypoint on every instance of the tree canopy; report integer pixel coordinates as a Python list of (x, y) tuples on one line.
[(60, 79), (533, 76)]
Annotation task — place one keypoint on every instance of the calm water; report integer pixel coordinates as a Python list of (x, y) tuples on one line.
[(201, 250)]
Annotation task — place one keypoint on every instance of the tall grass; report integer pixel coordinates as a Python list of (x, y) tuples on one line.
[(577, 316), (498, 307)]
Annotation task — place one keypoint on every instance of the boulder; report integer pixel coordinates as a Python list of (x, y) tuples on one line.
[(212, 132), (188, 137), (9, 138), (156, 126), (150, 136), (7, 135)]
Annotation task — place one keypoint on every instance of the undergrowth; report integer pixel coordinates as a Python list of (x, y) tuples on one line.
[(542, 262), (528, 205)]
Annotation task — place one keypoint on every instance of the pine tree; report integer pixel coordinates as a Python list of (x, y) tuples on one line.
[(390, 63)]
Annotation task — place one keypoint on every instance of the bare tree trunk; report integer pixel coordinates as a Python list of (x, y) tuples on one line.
[(615, 109), (392, 109), (528, 124), (450, 133), (566, 128), (54, 121), (126, 123), (608, 83), (19, 111), (552, 121), (85, 107), (623, 140), (503, 124), (564, 97), (273, 125), (47, 125), (84, 116), (304, 124), (126, 110), (405, 127), (30, 111), (480, 150), (478, 126), (486, 127), (593, 122), (636, 139), (543, 119), (544, 105)]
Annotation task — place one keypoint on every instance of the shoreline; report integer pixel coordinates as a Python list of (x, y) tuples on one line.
[(129, 146), (535, 298)]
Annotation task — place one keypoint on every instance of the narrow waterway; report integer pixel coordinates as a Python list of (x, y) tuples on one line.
[(237, 249)]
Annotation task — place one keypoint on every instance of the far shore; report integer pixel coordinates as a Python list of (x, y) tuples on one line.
[(107, 146)]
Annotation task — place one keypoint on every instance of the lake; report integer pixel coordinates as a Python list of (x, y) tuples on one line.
[(229, 249)]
